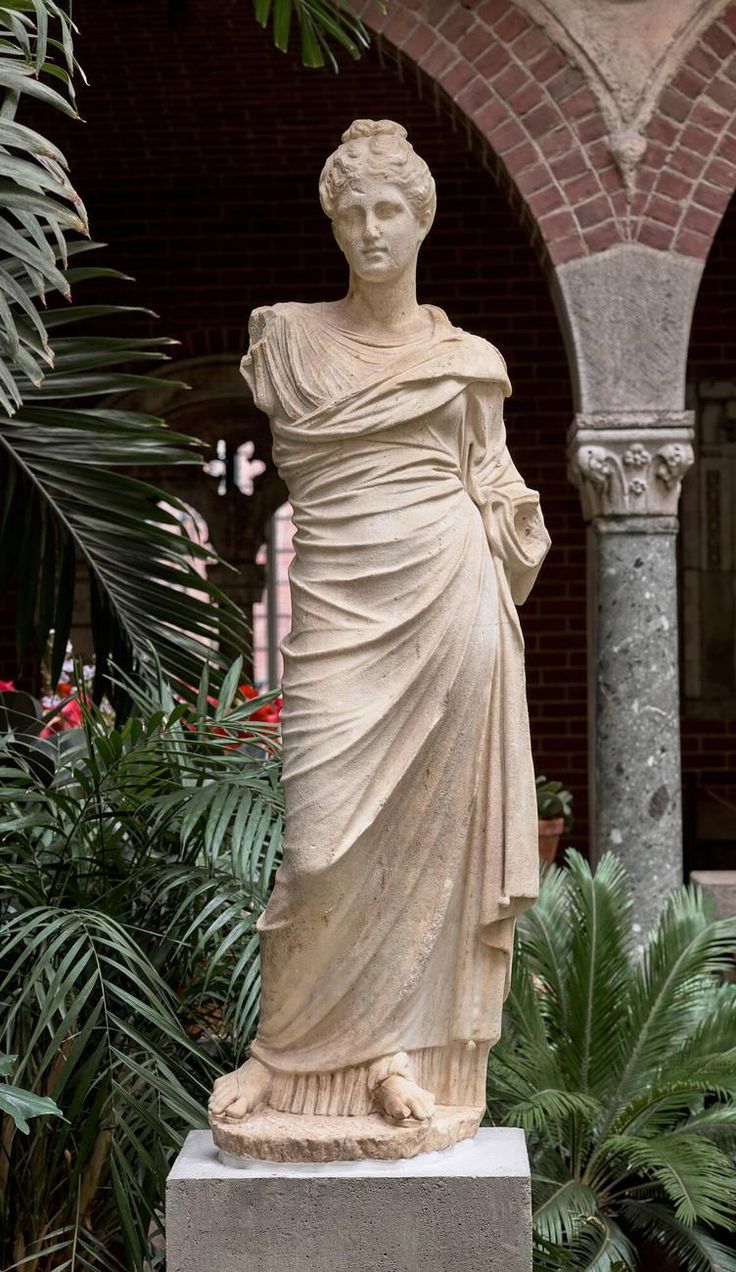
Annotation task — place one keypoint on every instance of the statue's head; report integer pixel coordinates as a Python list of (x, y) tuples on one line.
[(380, 197)]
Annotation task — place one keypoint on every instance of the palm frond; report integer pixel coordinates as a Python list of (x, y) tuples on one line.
[(594, 1247), (684, 955), (622, 1073), (559, 1207), (600, 972), (546, 935), (694, 1249), (79, 989), (321, 25), (40, 206), (695, 1174), (550, 1107), (63, 500), (68, 502)]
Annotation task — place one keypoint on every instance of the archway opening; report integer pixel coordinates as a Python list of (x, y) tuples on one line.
[(708, 568)]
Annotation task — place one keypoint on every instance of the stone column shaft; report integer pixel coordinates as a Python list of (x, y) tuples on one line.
[(628, 471)]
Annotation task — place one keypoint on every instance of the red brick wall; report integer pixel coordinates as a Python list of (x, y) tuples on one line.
[(538, 115), (199, 165)]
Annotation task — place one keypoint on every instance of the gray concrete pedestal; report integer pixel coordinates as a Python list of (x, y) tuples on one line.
[(467, 1208)]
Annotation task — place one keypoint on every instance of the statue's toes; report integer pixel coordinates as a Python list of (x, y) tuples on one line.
[(421, 1105), (225, 1091), (395, 1107), (238, 1108)]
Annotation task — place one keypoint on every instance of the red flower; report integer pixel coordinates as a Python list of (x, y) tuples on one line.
[(269, 713), (69, 717), (7, 686)]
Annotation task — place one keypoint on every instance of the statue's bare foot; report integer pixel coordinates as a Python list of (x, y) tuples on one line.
[(400, 1098), (239, 1093)]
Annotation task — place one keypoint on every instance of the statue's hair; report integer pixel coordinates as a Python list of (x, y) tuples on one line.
[(378, 146)]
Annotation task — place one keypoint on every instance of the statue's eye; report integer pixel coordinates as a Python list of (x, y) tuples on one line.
[(387, 210)]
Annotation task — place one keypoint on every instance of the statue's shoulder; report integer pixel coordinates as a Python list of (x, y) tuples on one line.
[(478, 353), (486, 355), (266, 316), (484, 358)]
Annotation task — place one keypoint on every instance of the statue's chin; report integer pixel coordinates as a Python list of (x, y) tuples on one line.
[(381, 269)]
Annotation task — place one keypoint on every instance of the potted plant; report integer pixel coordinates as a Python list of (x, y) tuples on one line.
[(554, 809)]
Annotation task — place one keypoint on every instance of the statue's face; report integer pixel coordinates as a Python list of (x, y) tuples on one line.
[(376, 229)]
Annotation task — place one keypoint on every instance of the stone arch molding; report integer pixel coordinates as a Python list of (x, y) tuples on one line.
[(613, 121)]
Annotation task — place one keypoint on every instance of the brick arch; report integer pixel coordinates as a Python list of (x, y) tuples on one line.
[(528, 105), (688, 173), (533, 109)]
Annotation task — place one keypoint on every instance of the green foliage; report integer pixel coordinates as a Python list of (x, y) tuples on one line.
[(39, 205), (20, 1104), (321, 24), (129, 892), (622, 1071), (64, 499)]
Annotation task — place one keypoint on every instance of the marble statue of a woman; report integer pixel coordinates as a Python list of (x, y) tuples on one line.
[(411, 823)]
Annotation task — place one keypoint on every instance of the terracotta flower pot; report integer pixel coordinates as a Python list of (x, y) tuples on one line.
[(550, 831)]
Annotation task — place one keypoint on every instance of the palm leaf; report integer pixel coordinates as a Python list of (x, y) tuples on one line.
[(695, 1249), (623, 1073), (146, 592), (40, 206), (61, 502), (600, 973), (321, 24), (546, 935), (560, 1206), (695, 1175), (115, 998), (686, 951)]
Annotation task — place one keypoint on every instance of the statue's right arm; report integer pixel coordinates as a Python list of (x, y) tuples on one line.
[(255, 365)]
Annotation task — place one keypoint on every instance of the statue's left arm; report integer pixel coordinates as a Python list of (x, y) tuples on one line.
[(511, 514)]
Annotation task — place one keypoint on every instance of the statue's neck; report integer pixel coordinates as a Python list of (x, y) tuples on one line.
[(383, 308)]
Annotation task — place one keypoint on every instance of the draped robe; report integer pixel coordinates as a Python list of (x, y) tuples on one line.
[(411, 823)]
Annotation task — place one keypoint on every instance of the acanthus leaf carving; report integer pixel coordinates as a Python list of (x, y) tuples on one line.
[(626, 471)]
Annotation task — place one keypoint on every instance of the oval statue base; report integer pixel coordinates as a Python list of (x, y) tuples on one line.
[(268, 1135)]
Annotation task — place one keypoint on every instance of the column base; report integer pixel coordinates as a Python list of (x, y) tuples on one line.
[(465, 1208)]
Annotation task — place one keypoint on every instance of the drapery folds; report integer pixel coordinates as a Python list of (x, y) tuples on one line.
[(411, 834)]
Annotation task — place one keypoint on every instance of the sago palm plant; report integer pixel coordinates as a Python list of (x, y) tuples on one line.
[(130, 885), (622, 1071)]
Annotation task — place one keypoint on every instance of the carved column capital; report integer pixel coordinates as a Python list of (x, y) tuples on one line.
[(630, 465)]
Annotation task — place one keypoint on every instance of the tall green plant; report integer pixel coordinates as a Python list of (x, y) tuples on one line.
[(623, 1074), (64, 499), (130, 886)]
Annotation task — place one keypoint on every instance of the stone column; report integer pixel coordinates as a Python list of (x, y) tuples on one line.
[(628, 469)]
